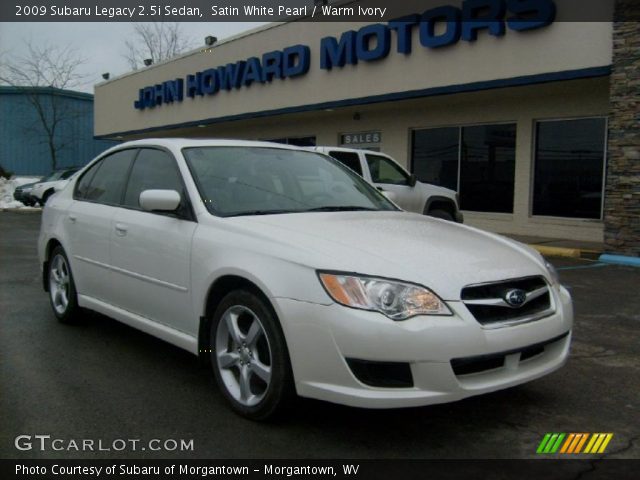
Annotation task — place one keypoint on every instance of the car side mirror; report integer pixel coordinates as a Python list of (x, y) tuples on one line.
[(160, 200), (413, 180)]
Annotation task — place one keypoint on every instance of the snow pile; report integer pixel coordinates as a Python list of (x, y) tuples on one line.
[(6, 191)]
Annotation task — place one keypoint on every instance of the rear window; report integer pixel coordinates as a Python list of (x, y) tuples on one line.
[(348, 159)]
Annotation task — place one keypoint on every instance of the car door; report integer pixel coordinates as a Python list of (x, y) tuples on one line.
[(88, 221), (388, 176), (151, 251)]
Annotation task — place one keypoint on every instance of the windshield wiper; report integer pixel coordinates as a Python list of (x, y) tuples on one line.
[(261, 212), (352, 208)]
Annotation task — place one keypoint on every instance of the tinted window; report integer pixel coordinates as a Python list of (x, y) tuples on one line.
[(477, 161), (435, 156), (256, 180), (487, 168), (349, 159), (152, 170), (107, 184), (569, 166), (384, 170), (82, 187)]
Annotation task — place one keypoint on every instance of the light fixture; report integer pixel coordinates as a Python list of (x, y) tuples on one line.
[(210, 40), (356, 116), (148, 61), (105, 76)]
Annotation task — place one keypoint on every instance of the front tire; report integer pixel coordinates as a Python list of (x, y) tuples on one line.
[(62, 289), (249, 356)]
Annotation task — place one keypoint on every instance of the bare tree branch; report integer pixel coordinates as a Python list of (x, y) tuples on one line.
[(155, 40), (46, 66)]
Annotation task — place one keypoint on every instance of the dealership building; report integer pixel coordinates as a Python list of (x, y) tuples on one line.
[(535, 124)]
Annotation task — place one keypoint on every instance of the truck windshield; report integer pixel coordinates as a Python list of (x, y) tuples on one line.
[(237, 181)]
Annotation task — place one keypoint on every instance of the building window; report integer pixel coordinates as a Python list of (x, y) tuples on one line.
[(569, 168), (436, 154), (477, 161), (309, 141)]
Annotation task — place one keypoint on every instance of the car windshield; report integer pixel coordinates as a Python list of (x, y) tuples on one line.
[(54, 176), (60, 175), (260, 180), (68, 173)]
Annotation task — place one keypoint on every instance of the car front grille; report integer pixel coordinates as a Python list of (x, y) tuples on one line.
[(490, 304)]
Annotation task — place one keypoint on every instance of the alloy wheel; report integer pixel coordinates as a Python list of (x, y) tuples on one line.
[(243, 355), (59, 284)]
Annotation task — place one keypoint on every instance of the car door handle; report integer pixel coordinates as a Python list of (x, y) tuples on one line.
[(72, 218), (121, 229)]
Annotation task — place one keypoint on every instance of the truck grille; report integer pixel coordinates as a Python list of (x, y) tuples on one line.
[(508, 302)]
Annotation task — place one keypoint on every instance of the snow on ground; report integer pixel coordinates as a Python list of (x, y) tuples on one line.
[(6, 192)]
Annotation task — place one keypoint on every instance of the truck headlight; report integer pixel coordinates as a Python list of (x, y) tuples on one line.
[(397, 300)]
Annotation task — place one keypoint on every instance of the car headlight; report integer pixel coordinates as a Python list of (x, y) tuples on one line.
[(553, 273), (397, 300)]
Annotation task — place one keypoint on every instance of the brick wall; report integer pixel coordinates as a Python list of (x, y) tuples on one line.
[(622, 204)]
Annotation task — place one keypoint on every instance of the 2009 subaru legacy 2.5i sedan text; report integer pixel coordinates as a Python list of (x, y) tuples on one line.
[(291, 274)]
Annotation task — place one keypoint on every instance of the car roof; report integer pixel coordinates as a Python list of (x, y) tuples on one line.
[(204, 142), (347, 149)]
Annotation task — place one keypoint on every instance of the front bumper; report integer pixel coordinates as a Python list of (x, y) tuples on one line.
[(24, 197), (322, 337)]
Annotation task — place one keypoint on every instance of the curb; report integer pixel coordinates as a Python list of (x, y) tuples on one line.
[(21, 210), (620, 260), (558, 251)]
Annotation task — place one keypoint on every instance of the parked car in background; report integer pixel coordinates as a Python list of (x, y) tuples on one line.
[(22, 194), (56, 181), (388, 176), (289, 273)]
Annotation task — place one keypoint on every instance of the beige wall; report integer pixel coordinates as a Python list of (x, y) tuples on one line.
[(559, 47), (522, 105)]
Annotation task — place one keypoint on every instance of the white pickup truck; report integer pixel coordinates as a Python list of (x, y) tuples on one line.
[(407, 192)]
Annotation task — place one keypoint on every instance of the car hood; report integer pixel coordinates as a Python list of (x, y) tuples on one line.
[(53, 184), (441, 255)]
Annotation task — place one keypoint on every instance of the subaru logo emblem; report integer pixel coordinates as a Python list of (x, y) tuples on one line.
[(516, 297)]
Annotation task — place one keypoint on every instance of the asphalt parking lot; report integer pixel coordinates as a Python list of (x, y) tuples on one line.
[(104, 380)]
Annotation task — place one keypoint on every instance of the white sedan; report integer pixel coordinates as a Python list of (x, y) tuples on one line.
[(290, 274)]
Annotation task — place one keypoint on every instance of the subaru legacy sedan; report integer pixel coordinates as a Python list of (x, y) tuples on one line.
[(291, 275)]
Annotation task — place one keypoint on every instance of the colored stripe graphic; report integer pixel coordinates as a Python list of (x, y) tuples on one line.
[(550, 443), (598, 443), (573, 443), (543, 443)]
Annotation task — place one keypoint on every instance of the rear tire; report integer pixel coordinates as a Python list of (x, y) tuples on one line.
[(249, 356), (62, 289), (443, 214)]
